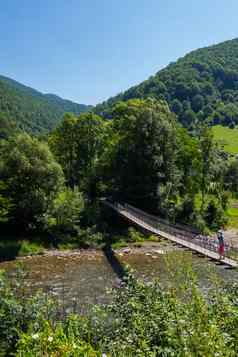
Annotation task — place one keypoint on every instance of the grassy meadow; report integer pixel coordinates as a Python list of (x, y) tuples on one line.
[(232, 214), (226, 137)]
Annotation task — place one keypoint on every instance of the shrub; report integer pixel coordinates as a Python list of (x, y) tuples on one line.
[(214, 215), (144, 319), (18, 312), (63, 216)]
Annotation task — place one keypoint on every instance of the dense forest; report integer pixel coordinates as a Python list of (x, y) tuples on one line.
[(31, 110), (142, 156), (51, 188), (202, 86)]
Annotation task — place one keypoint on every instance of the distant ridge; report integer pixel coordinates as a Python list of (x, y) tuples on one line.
[(201, 86), (32, 110)]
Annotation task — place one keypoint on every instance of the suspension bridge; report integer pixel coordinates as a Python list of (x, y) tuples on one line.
[(181, 235)]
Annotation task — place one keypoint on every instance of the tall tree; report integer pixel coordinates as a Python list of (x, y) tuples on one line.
[(207, 156), (31, 176), (63, 142), (144, 164), (77, 144)]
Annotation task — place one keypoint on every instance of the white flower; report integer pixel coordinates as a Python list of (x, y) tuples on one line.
[(74, 345), (35, 336), (50, 338), (104, 355)]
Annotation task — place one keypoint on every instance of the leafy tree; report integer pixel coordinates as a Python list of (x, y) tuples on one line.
[(7, 128), (189, 118), (207, 150), (231, 177), (77, 144), (32, 178), (5, 204), (197, 102), (214, 215), (63, 143), (189, 165), (144, 170), (177, 107), (63, 215)]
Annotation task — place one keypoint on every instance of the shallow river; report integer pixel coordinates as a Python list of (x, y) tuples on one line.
[(82, 279)]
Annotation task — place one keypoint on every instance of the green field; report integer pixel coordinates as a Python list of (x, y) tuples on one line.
[(226, 137), (232, 214)]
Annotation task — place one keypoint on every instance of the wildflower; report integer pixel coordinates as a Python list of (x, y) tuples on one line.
[(50, 338), (35, 336)]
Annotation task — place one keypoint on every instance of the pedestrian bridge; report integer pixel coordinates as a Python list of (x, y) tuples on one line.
[(180, 234)]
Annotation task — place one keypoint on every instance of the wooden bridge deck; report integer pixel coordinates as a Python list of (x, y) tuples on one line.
[(132, 217)]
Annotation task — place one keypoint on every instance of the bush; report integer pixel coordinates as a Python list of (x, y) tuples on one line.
[(135, 236), (63, 216), (145, 320), (30, 248), (54, 341), (18, 312), (214, 215)]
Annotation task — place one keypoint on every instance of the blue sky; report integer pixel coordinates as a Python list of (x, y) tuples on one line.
[(89, 50)]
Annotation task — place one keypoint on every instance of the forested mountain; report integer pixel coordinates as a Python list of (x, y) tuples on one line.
[(200, 86), (31, 110)]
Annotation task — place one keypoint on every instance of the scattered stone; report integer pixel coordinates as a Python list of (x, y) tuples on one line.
[(159, 251)]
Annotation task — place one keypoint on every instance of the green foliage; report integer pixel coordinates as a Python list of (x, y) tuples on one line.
[(231, 178), (132, 236), (156, 165), (30, 248), (207, 158), (142, 320), (63, 215), (232, 214), (5, 204), (7, 127), (55, 342), (142, 156), (32, 178), (202, 86), (32, 111), (214, 215), (77, 144), (143, 163), (11, 248), (135, 236), (19, 311)]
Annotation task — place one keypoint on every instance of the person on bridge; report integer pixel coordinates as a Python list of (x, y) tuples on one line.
[(221, 243)]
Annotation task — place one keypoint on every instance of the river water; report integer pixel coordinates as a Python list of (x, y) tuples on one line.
[(85, 278)]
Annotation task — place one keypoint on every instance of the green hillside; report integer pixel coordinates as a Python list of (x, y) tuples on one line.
[(200, 86), (227, 138), (31, 110)]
